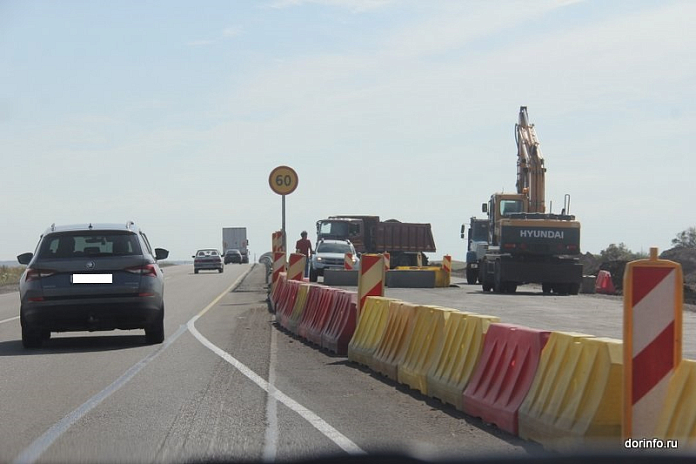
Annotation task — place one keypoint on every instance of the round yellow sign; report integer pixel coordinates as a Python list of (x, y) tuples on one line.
[(283, 180)]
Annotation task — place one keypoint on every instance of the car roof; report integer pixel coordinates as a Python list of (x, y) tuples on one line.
[(330, 240), (125, 227)]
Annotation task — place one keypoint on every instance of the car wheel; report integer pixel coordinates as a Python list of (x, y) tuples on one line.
[(195, 271), (312, 275), (31, 338), (155, 333), (220, 270)]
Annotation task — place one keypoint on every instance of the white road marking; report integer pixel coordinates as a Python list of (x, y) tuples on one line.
[(9, 320), (271, 437), (41, 444)]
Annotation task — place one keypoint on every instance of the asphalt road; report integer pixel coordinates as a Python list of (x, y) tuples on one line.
[(226, 384)]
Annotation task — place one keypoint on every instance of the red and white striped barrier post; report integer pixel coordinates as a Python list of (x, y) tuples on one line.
[(278, 265), (371, 278), (653, 300), (348, 261), (277, 241), (447, 264), (296, 266), (387, 258)]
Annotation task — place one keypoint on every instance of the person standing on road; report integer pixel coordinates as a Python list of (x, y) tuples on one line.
[(304, 246)]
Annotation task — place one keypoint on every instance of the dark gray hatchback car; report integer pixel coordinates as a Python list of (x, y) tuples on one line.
[(92, 277)]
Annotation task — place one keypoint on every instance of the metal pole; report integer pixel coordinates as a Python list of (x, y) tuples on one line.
[(285, 247)]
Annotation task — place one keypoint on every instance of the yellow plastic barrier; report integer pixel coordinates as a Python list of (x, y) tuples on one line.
[(576, 396), (424, 345), (678, 417), (450, 373), (370, 329), (392, 347), (300, 303)]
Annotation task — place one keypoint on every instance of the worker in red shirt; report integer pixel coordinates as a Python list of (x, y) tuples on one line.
[(304, 246)]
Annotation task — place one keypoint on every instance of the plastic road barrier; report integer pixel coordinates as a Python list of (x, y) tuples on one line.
[(278, 265), (392, 347), (678, 417), (371, 326), (291, 321), (387, 260), (277, 290), (313, 295), (424, 345), (453, 366), (604, 284), (446, 272), (348, 261), (504, 374), (653, 300), (576, 394), (296, 266), (315, 326), (343, 316), (371, 278), (286, 302)]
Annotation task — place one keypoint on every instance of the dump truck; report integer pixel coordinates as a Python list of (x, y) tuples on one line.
[(235, 238), (527, 244), (477, 244), (368, 234)]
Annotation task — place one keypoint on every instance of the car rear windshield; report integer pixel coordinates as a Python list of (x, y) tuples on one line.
[(92, 244), (334, 248), (204, 253)]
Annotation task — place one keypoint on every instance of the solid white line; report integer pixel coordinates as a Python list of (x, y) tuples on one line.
[(41, 444), (34, 451), (271, 437), (317, 422), (9, 320)]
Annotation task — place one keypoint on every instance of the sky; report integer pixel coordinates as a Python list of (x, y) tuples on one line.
[(173, 114)]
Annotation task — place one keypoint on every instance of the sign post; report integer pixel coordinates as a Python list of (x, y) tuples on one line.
[(283, 181)]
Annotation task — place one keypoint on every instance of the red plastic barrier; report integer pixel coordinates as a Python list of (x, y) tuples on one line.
[(504, 374), (341, 326), (287, 302), (278, 288), (604, 284), (311, 306), (312, 326)]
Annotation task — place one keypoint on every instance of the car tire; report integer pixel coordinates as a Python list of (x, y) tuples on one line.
[(312, 275), (155, 333), (220, 270), (195, 271), (31, 338)]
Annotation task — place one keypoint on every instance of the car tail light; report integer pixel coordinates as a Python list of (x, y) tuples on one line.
[(36, 274), (509, 246), (148, 270)]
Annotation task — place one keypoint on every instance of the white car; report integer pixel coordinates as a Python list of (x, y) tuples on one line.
[(330, 254)]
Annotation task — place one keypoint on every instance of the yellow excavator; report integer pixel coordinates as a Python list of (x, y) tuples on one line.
[(527, 244)]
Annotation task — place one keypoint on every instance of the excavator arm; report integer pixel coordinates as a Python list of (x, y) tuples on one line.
[(530, 164)]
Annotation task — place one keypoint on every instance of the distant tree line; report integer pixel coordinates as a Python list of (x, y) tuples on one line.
[(684, 239)]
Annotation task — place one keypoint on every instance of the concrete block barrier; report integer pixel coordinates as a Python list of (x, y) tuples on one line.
[(453, 367), (371, 326), (314, 326), (678, 417), (424, 347), (343, 316), (504, 374), (392, 348), (410, 278), (341, 277), (576, 396)]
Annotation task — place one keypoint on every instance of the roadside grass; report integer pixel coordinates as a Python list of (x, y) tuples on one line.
[(9, 275)]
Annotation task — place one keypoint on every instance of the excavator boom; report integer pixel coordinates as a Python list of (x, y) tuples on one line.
[(530, 164)]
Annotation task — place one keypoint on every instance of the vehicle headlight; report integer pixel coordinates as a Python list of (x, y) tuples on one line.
[(318, 258)]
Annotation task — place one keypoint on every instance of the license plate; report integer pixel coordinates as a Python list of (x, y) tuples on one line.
[(92, 278), (474, 266)]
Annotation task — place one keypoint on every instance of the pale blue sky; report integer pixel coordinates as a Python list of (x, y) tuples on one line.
[(174, 113)]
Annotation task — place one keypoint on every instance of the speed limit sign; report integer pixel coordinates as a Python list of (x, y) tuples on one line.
[(283, 180)]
